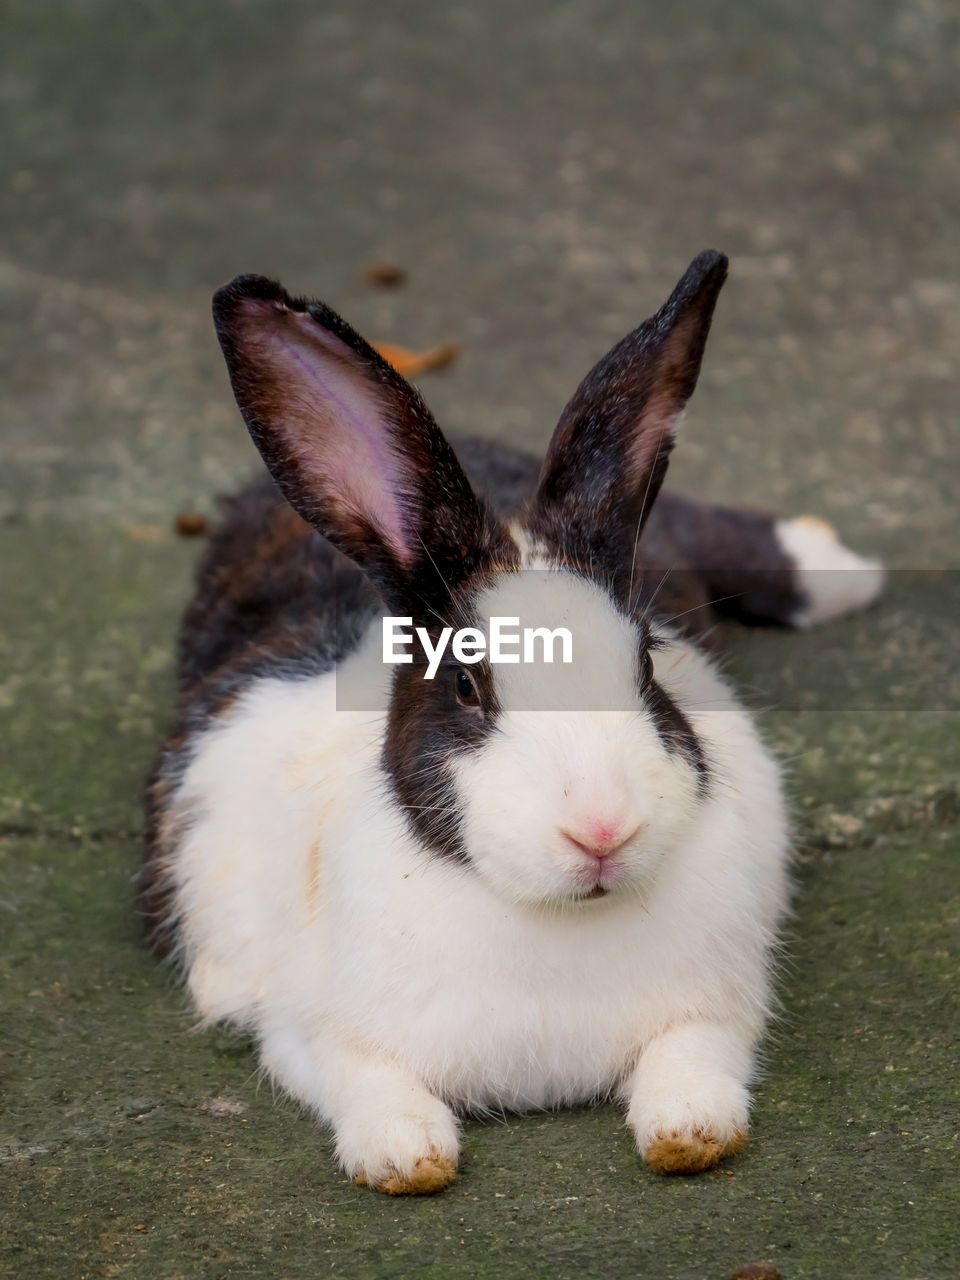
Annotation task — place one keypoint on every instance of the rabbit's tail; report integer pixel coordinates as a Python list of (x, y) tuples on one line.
[(760, 570)]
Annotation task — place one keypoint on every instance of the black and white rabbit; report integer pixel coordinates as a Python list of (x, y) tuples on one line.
[(513, 886)]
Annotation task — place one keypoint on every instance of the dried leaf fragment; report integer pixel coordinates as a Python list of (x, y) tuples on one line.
[(385, 275), (410, 363), (190, 524)]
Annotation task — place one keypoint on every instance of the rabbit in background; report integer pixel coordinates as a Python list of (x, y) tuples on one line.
[(511, 886)]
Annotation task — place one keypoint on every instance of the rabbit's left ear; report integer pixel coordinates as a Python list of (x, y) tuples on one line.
[(351, 444), (608, 455)]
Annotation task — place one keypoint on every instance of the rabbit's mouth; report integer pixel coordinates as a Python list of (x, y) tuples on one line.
[(598, 891), (597, 878)]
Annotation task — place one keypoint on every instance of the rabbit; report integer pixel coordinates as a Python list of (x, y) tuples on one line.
[(466, 897)]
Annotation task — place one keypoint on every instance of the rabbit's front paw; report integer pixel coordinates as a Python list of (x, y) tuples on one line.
[(685, 1134), (678, 1152), (408, 1153), (686, 1111), (677, 1134)]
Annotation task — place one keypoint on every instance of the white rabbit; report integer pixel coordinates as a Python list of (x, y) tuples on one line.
[(511, 886)]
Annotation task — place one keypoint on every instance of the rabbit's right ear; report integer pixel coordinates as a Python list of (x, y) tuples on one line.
[(608, 455), (352, 445)]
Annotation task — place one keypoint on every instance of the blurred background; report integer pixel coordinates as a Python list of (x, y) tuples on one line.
[(542, 173)]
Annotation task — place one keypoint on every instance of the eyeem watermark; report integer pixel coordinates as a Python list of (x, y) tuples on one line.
[(914, 623), (505, 643)]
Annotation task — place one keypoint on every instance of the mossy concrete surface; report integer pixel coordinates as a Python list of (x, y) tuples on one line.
[(543, 171)]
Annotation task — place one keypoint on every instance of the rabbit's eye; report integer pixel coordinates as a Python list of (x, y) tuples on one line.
[(467, 694), (646, 668)]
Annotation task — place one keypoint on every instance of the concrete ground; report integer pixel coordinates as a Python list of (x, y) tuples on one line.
[(544, 171)]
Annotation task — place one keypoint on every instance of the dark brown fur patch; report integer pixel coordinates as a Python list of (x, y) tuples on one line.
[(675, 730), (267, 574), (427, 728)]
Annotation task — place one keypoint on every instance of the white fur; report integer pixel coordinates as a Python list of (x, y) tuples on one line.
[(834, 579), (386, 984)]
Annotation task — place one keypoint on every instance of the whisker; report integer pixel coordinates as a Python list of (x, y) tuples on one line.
[(736, 595), (650, 603)]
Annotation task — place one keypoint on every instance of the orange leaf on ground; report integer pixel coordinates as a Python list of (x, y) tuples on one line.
[(410, 363), (387, 275), (190, 524)]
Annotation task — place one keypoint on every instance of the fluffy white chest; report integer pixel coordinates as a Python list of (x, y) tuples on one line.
[(306, 903)]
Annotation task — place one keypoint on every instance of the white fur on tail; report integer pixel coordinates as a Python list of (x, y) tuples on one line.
[(834, 579)]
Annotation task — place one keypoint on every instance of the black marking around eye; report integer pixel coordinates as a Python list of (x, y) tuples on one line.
[(647, 645), (676, 732), (428, 728)]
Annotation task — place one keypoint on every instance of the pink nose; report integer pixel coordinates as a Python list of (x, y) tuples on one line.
[(599, 839)]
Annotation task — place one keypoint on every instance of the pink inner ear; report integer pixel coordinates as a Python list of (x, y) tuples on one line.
[(661, 414), (313, 397)]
